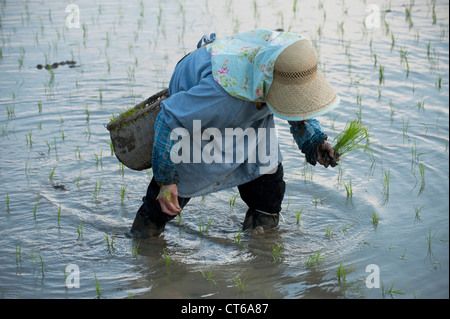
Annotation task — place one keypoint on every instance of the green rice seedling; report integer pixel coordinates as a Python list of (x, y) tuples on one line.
[(78, 152), (350, 139), (421, 104), (98, 186), (5, 129), (429, 238), (99, 159), (87, 133), (359, 113), (10, 110), (314, 259), (385, 182), (166, 258), (429, 49), (122, 169), (298, 215), (237, 238), (27, 170), (35, 206), (18, 254), (358, 98), (134, 249), (110, 244), (405, 128), (97, 287), (33, 258), (56, 150), (348, 189), (414, 155), (29, 134), (59, 213), (288, 202), (329, 232), (40, 106), (381, 75), (80, 230), (276, 253), (417, 211), (78, 180), (416, 35), (7, 203), (422, 177), (316, 201), (340, 172), (122, 193), (439, 83), (403, 256), (209, 278), (342, 272), (233, 200), (166, 193), (202, 227), (240, 284), (52, 172), (392, 108), (392, 41), (179, 218), (21, 57), (346, 227), (374, 219), (391, 290), (87, 113), (100, 94), (111, 147), (42, 265), (407, 13), (341, 30)]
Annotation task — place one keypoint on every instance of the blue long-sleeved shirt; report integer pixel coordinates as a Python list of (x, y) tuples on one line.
[(308, 136)]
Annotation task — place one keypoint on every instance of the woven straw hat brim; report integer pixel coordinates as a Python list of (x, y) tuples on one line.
[(300, 101)]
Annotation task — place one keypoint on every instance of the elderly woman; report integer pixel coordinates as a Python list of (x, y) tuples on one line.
[(236, 84)]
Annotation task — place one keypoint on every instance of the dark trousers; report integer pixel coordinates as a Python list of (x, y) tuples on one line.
[(262, 194)]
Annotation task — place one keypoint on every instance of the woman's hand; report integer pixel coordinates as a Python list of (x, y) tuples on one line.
[(168, 199), (325, 148)]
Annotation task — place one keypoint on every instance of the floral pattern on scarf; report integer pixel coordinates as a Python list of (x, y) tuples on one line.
[(243, 63)]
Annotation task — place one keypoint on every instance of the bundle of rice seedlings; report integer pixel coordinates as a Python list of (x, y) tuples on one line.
[(348, 140)]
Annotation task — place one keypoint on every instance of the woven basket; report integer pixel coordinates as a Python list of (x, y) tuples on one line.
[(132, 136)]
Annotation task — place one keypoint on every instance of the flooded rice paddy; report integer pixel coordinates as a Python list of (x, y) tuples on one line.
[(374, 227)]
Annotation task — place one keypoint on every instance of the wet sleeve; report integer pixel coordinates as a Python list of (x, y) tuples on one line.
[(309, 136), (164, 170)]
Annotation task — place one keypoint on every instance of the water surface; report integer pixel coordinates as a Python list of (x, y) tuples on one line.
[(55, 157)]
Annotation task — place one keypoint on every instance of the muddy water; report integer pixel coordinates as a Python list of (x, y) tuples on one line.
[(60, 197)]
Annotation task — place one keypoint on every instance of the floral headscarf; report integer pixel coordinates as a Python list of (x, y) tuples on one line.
[(243, 63)]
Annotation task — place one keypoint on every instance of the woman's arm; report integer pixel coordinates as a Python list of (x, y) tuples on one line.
[(311, 140), (164, 170)]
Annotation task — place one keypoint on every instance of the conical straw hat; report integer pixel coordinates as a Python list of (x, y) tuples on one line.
[(299, 91)]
